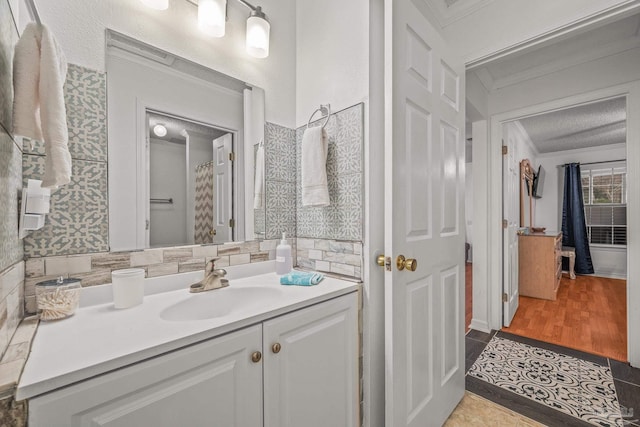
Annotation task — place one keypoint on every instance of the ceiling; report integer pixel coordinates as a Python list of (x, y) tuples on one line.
[(578, 48), (175, 126), (448, 11), (589, 125)]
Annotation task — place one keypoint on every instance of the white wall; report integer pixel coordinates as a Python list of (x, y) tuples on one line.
[(610, 262), (79, 26), (167, 172), (504, 23), (132, 85), (332, 55)]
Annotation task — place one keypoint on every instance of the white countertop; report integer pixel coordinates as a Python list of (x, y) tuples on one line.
[(99, 338)]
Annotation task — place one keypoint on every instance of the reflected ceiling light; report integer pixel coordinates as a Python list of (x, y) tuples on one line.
[(160, 130), (156, 4), (258, 29), (212, 16)]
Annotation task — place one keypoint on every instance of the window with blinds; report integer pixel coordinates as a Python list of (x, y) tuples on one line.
[(604, 191)]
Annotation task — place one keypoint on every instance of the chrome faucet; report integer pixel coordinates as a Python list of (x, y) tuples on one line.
[(213, 279)]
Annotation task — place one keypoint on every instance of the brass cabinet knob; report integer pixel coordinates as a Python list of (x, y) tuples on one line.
[(409, 263), (276, 348), (256, 356)]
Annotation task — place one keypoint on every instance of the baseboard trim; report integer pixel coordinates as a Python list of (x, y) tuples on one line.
[(480, 325)]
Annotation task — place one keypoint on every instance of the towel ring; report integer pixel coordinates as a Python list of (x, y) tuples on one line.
[(325, 110)]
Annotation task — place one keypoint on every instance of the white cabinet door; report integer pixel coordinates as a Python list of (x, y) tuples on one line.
[(214, 383), (312, 381)]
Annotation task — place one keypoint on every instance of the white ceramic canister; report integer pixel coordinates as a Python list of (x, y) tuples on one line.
[(128, 287)]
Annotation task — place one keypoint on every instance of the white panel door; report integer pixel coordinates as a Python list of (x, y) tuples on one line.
[(424, 214), (511, 213), (311, 380), (222, 188), (210, 384)]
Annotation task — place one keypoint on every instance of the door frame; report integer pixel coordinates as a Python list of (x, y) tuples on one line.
[(494, 224)]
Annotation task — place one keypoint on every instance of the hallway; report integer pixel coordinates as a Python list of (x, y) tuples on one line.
[(547, 383), (589, 314)]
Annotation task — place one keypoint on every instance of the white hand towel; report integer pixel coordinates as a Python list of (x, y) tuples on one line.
[(258, 186), (39, 73), (315, 191)]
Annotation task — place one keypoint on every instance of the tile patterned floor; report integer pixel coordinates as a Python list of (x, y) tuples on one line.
[(543, 366), (580, 388)]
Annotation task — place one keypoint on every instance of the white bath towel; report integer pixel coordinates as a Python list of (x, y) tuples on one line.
[(39, 73), (315, 190), (258, 186)]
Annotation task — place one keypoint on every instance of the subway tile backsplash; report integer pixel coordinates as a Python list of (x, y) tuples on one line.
[(331, 256), (95, 269)]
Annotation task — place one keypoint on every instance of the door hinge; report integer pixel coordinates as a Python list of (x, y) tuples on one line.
[(146, 225), (232, 156), (232, 223), (505, 223), (505, 297), (505, 150)]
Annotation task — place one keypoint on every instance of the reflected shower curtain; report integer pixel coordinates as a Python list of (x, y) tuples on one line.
[(203, 204), (574, 228)]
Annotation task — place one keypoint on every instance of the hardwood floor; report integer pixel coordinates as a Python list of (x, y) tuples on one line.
[(590, 315), (468, 295)]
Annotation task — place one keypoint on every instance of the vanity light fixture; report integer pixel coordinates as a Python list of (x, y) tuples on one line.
[(212, 16), (258, 29), (160, 130), (156, 4)]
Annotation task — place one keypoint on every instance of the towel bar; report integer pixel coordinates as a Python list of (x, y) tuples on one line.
[(167, 201), (325, 110)]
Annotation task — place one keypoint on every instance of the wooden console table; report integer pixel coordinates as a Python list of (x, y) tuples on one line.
[(539, 264)]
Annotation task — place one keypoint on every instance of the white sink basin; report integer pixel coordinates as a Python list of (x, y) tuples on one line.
[(219, 303)]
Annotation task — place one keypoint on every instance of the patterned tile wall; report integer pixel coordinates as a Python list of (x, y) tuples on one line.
[(85, 97), (11, 250), (95, 269), (8, 40), (343, 218), (78, 222), (280, 179)]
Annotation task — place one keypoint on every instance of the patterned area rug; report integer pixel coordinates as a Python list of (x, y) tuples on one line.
[(579, 388)]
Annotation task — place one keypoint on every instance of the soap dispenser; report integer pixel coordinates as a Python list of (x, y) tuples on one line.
[(284, 263)]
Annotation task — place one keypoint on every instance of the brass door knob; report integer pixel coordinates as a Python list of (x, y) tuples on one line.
[(256, 356), (276, 348), (212, 232), (380, 260), (409, 263)]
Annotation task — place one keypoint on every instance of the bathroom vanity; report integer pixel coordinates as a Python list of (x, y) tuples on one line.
[(253, 354)]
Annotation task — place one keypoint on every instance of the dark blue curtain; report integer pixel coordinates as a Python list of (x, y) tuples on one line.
[(574, 228)]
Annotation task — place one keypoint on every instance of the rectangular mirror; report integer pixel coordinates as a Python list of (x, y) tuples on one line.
[(183, 144)]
